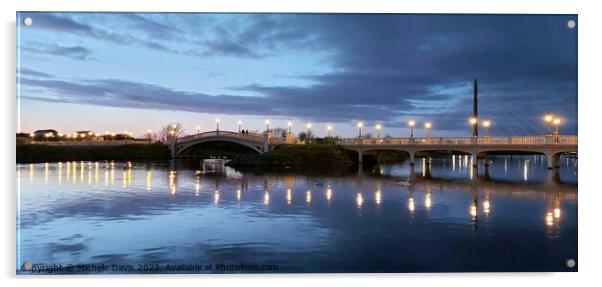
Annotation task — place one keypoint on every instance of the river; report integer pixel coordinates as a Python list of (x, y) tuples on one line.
[(204, 217)]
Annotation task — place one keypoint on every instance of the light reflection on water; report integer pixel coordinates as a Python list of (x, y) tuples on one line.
[(441, 215)]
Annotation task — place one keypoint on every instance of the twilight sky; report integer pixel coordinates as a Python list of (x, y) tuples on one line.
[(126, 71)]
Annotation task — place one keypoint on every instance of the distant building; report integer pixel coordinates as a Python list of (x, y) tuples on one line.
[(123, 137), (85, 135), (45, 134)]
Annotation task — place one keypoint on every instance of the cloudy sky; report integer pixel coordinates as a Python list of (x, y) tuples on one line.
[(125, 71)]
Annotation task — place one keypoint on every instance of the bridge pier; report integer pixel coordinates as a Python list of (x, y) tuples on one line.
[(412, 158), (553, 160), (473, 159), (360, 156)]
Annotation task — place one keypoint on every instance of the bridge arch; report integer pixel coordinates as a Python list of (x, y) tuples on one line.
[(252, 141), (188, 146)]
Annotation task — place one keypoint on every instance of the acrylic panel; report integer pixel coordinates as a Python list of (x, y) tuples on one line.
[(295, 143)]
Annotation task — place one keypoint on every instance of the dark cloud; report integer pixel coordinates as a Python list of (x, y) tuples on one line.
[(61, 22), (31, 73), (73, 52)]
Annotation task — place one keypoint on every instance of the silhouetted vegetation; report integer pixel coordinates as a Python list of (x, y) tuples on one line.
[(45, 153)]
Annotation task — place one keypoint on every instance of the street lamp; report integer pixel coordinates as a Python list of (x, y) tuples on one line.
[(548, 119), (198, 129), (486, 125), (411, 124), (473, 122), (378, 128), (289, 124), (359, 127), (329, 129), (217, 124), (149, 133), (428, 127), (556, 123), (267, 126), (239, 125), (308, 128)]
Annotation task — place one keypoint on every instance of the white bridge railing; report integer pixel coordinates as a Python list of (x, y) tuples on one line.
[(225, 134), (486, 140)]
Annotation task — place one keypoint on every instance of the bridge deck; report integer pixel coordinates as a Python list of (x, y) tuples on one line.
[(467, 141)]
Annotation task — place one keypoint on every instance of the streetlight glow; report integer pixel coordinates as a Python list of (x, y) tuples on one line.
[(486, 125), (378, 128), (548, 118), (428, 127), (359, 127), (556, 125)]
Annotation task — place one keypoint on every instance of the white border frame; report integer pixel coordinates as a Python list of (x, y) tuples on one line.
[(589, 105)]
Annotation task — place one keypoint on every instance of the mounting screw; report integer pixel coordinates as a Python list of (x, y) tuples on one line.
[(570, 24), (570, 263), (26, 266)]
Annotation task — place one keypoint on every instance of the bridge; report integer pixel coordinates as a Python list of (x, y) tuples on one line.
[(257, 142), (478, 147), (552, 146)]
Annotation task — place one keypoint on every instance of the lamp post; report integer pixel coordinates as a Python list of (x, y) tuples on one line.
[(329, 129), (308, 129), (148, 134), (411, 124), (428, 127), (378, 127), (198, 129), (290, 125), (359, 128), (486, 125), (556, 123), (473, 123), (239, 125), (548, 119), (217, 125), (267, 126)]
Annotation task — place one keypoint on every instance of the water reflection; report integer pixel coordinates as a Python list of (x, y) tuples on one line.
[(448, 201)]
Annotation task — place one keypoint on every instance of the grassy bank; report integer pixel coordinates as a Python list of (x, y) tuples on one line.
[(296, 156), (27, 153)]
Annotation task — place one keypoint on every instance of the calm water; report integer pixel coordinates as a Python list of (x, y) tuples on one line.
[(157, 217)]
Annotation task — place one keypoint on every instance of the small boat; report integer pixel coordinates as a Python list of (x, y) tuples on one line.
[(404, 183)]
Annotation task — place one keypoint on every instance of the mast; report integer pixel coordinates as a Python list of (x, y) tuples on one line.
[(475, 113)]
